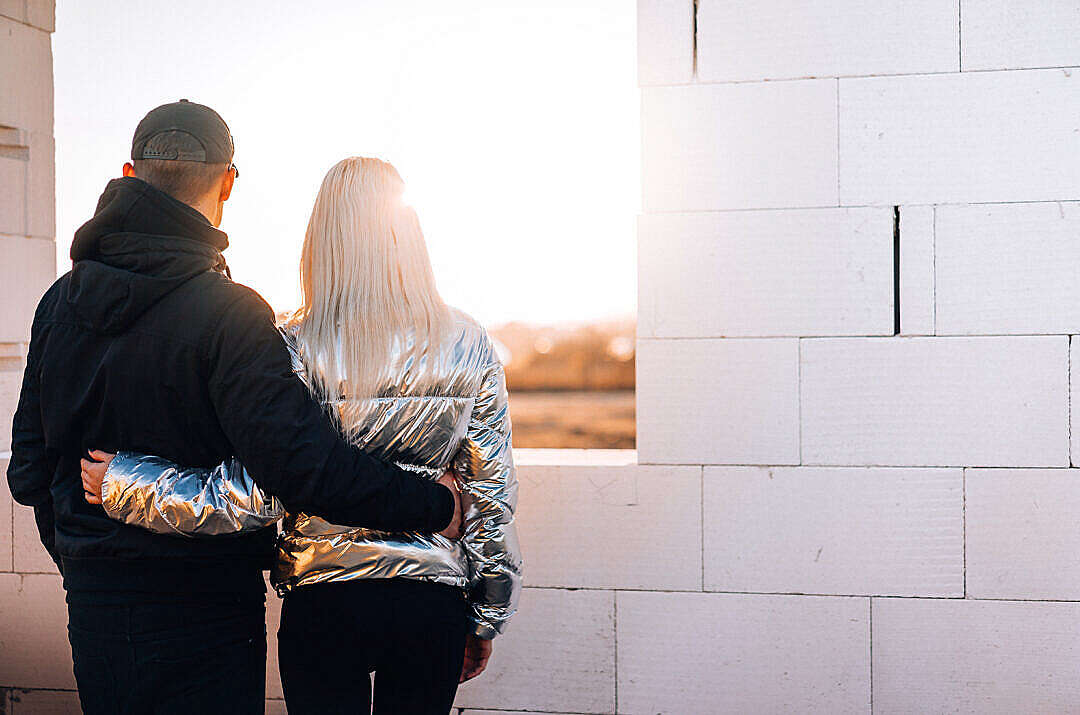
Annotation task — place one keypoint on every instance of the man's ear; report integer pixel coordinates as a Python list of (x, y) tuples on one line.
[(129, 169), (226, 185)]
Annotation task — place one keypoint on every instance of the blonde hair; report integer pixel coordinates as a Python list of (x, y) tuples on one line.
[(367, 281)]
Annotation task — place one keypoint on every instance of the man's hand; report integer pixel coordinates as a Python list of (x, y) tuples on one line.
[(477, 652), (454, 530), (93, 472)]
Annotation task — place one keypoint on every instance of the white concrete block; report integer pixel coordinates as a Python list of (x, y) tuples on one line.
[(41, 188), (1074, 400), (1012, 34), (721, 653), (7, 558), (784, 39), (980, 401), (665, 36), (45, 702), (597, 527), (14, 169), (42, 14), (917, 283), (718, 401), (27, 269), (558, 656), (957, 138), (966, 656), (11, 374), (766, 273), (34, 649), (1009, 268), (1022, 539), (764, 145), (851, 531), (273, 622), (26, 76), (28, 553)]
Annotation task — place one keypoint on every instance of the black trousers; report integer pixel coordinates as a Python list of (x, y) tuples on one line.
[(411, 634), (163, 658)]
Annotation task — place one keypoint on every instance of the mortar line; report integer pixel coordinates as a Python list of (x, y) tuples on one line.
[(694, 39), (808, 594)]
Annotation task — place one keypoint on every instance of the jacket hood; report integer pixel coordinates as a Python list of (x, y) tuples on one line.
[(141, 245)]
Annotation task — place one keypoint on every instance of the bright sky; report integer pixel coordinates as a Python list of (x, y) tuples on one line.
[(513, 122)]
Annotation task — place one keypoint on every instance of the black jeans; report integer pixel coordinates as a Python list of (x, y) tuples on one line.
[(411, 634), (192, 657)]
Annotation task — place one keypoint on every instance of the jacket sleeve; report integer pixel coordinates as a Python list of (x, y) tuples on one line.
[(485, 468), (288, 443), (32, 466), (156, 494)]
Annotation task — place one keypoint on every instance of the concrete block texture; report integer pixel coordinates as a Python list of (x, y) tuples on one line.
[(776, 150), (917, 281), (27, 269), (960, 138), (41, 187), (1022, 538), (1074, 400), (10, 384), (7, 548), (28, 553), (978, 401), (718, 401), (597, 527), (26, 76), (45, 702), (39, 13), (967, 656), (558, 656), (34, 649), (766, 273), (1008, 268), (784, 39), (1013, 34), (720, 653), (845, 531), (665, 41)]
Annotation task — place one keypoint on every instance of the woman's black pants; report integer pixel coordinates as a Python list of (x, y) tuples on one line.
[(410, 634)]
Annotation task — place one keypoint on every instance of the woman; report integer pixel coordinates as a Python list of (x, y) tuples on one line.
[(412, 381)]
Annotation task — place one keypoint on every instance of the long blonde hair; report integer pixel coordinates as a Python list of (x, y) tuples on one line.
[(367, 281)]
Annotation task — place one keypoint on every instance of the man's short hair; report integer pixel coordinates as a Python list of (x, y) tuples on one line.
[(186, 181)]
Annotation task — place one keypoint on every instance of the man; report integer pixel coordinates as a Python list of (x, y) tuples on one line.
[(148, 345)]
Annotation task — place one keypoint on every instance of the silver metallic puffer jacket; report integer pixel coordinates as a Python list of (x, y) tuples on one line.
[(460, 420)]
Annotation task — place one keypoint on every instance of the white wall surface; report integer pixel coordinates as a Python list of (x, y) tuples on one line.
[(824, 516)]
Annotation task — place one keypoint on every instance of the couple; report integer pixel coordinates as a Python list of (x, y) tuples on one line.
[(374, 420)]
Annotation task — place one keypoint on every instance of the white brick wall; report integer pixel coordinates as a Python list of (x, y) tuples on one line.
[(1022, 535), (693, 397), (948, 138), (967, 656), (705, 653), (935, 401), (805, 530), (766, 273), (699, 155), (1008, 268), (665, 41), (1011, 34), (784, 39)]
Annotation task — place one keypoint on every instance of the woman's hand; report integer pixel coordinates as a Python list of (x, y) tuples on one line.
[(477, 652), (453, 531), (93, 472)]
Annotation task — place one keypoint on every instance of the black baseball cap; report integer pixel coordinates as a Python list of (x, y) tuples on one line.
[(196, 133)]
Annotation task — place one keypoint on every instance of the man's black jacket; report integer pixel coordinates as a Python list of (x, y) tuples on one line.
[(146, 345)]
